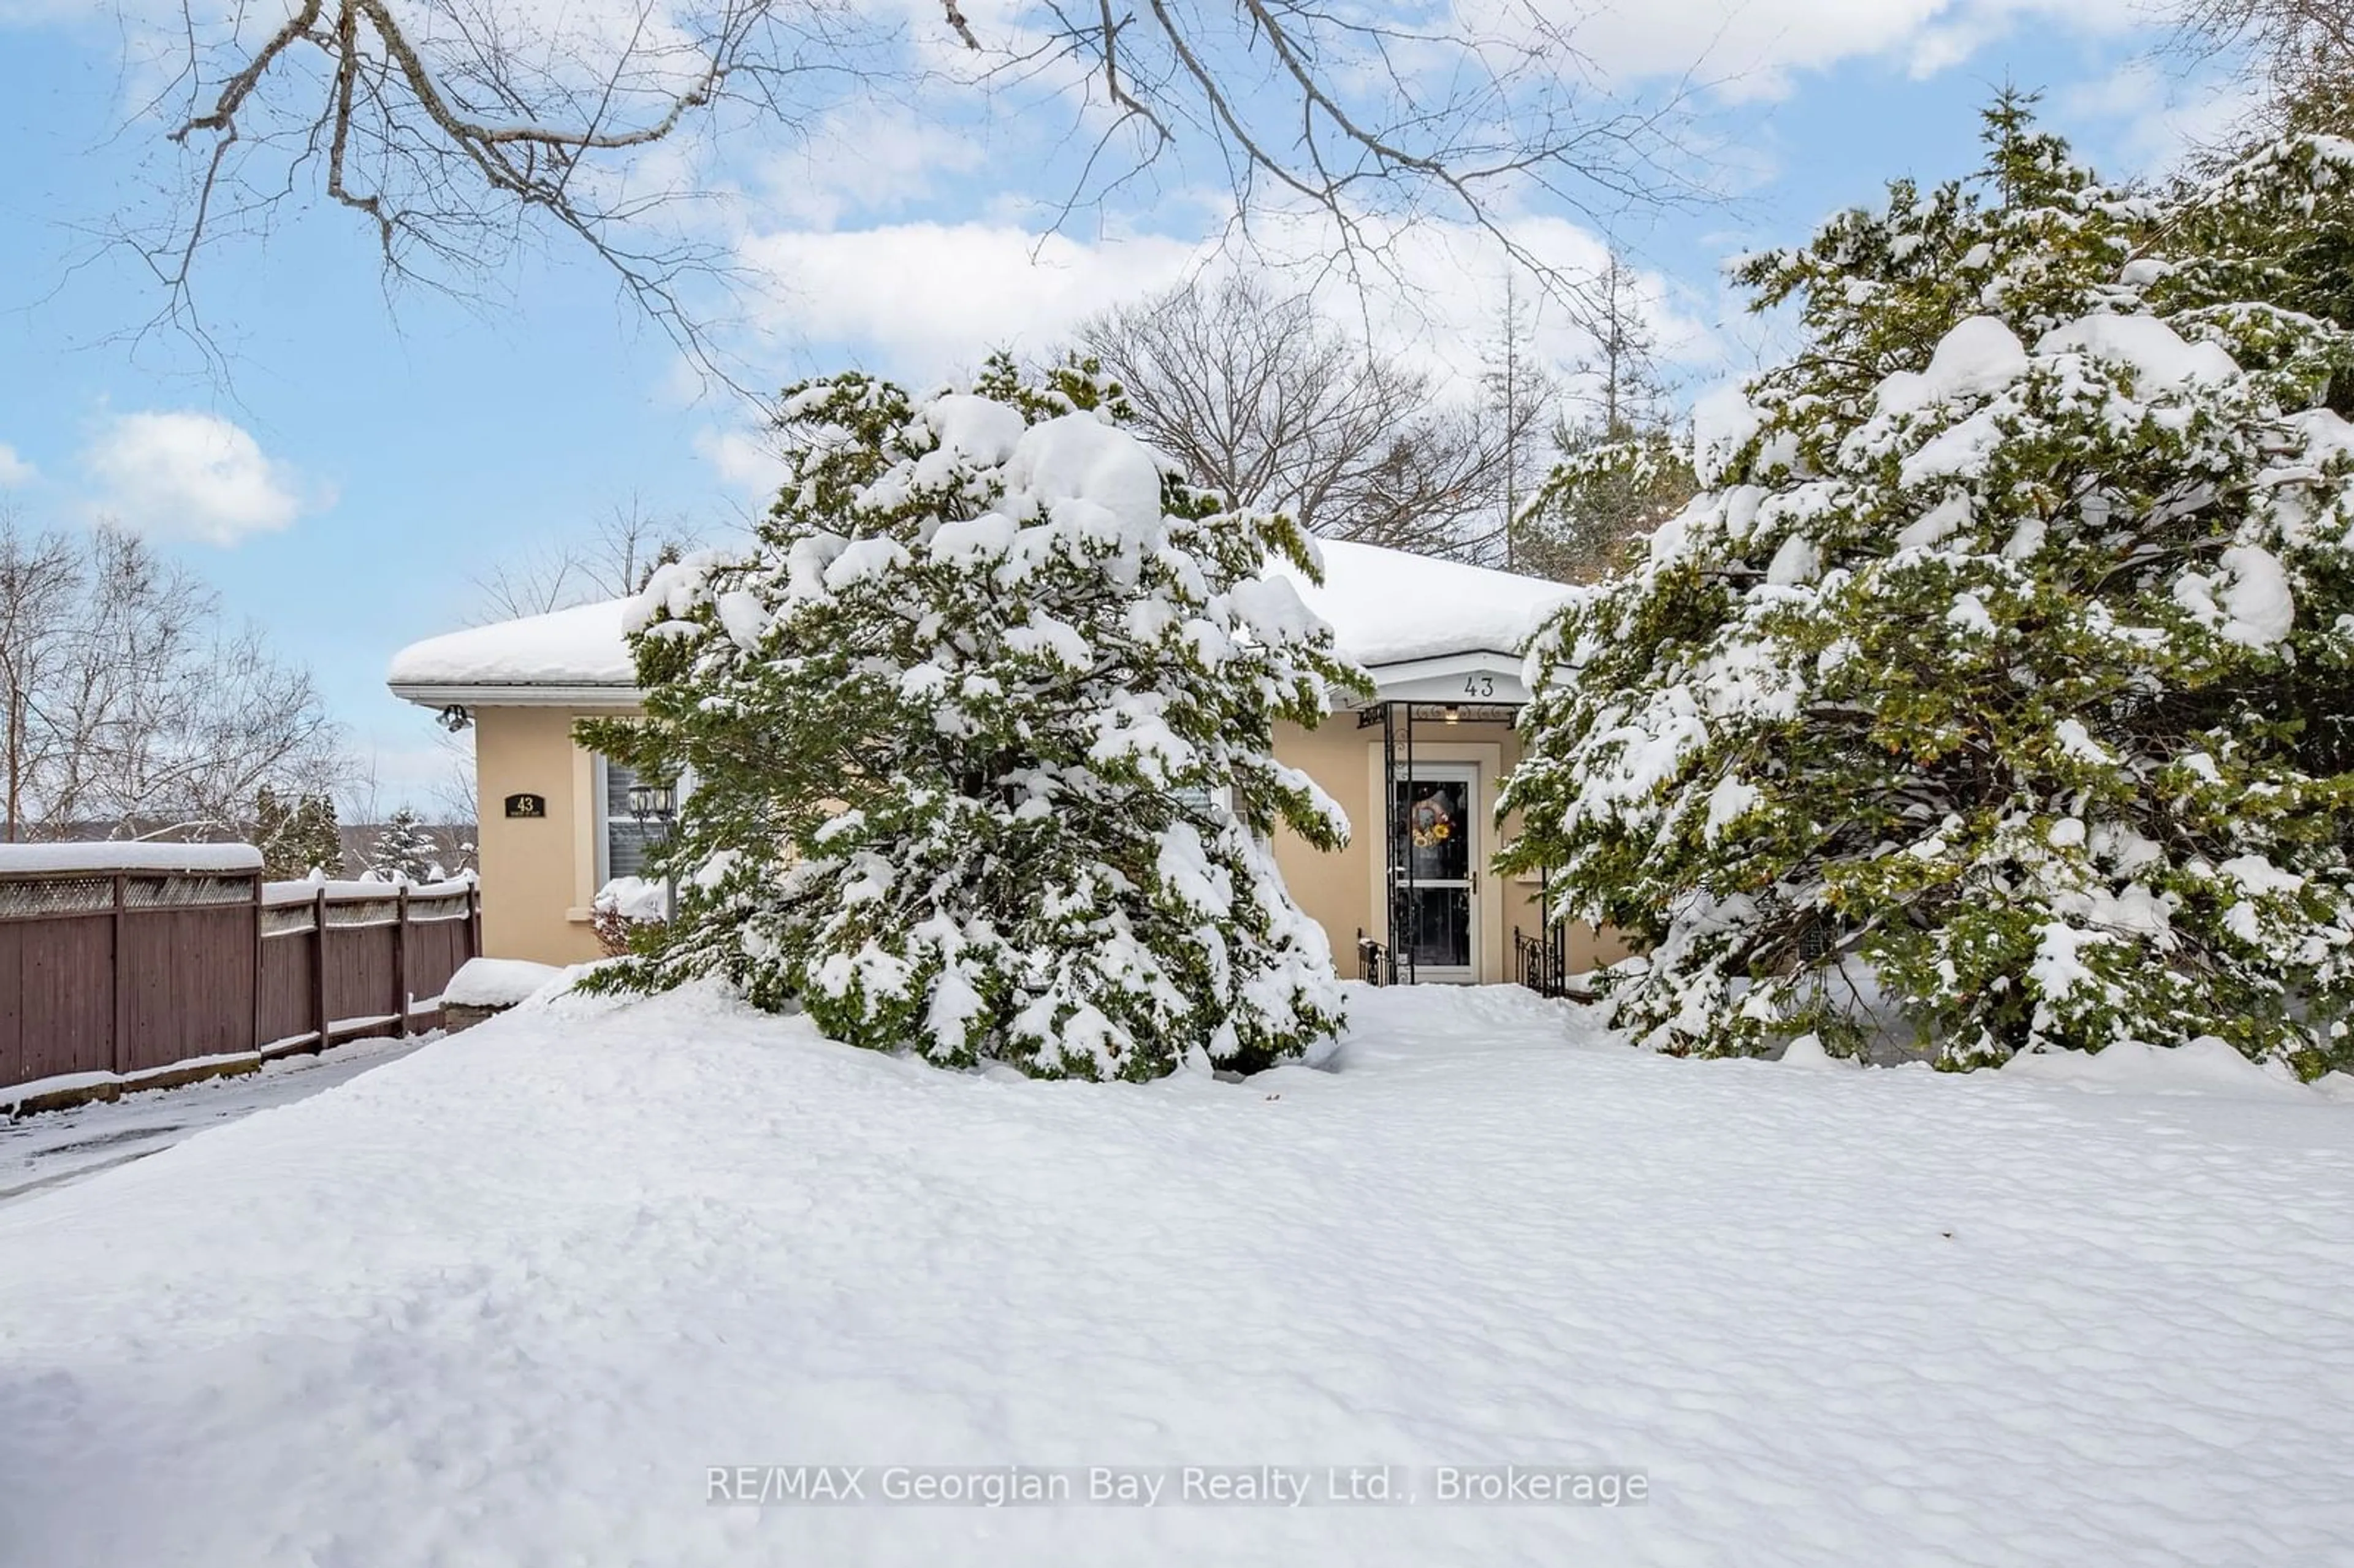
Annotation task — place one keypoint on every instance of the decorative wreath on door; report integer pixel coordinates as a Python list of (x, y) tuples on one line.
[(1431, 822)]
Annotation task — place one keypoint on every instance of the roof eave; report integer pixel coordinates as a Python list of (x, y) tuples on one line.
[(517, 693), (1487, 675), (1391, 677)]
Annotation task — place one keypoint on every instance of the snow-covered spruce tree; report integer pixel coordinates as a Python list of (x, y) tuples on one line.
[(981, 735), (401, 851), (2003, 665)]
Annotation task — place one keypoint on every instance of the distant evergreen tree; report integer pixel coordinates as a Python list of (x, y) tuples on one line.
[(981, 733), (402, 853), (1623, 468), (1610, 488), (297, 834), (2005, 668)]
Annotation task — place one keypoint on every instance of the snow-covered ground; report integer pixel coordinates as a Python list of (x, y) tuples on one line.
[(511, 1299), (38, 1153)]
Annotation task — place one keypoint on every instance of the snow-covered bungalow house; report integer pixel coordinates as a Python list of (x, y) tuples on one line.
[(1417, 768)]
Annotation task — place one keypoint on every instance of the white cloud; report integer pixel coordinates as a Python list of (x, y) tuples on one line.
[(1963, 28), (1754, 48), (14, 471), (194, 476), (867, 161), (1746, 49), (1442, 298), (746, 461), (394, 771), (922, 300), (2154, 117), (933, 297)]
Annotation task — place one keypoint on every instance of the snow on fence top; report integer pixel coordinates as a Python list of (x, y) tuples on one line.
[(32, 859), (1385, 607), (303, 891), (109, 856)]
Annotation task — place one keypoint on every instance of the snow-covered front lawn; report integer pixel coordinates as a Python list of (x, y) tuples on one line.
[(512, 1300)]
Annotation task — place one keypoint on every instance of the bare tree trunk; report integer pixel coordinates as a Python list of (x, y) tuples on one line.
[(16, 754), (1512, 410)]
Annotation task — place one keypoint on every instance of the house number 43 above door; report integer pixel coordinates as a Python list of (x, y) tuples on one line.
[(1478, 685)]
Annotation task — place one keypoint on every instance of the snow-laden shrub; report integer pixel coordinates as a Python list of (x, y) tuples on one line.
[(620, 907), (983, 736), (2004, 663)]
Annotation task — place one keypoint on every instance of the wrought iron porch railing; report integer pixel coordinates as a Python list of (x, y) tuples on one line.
[(1542, 961)]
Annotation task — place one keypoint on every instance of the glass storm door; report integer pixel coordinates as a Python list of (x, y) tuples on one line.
[(1435, 881)]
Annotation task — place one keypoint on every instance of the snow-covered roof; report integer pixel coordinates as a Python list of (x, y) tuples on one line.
[(1386, 608), (586, 646)]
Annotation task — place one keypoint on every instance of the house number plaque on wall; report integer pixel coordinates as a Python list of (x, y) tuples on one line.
[(527, 805)]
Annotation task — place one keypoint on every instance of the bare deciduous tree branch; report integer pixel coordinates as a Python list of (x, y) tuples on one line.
[(616, 560), (462, 129), (1266, 401), (2303, 50), (128, 708)]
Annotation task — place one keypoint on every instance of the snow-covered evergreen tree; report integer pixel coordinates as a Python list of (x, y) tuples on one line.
[(981, 735), (401, 851), (2003, 667)]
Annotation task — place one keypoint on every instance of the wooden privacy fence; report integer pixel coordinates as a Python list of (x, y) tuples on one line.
[(109, 976)]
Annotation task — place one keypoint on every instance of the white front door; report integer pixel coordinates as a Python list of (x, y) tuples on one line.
[(1434, 871)]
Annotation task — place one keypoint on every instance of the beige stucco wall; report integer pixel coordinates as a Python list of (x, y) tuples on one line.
[(539, 877), (1344, 891)]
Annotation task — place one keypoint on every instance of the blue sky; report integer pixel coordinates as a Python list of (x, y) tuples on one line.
[(365, 456)]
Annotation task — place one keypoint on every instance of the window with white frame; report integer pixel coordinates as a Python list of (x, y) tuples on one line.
[(622, 842)]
